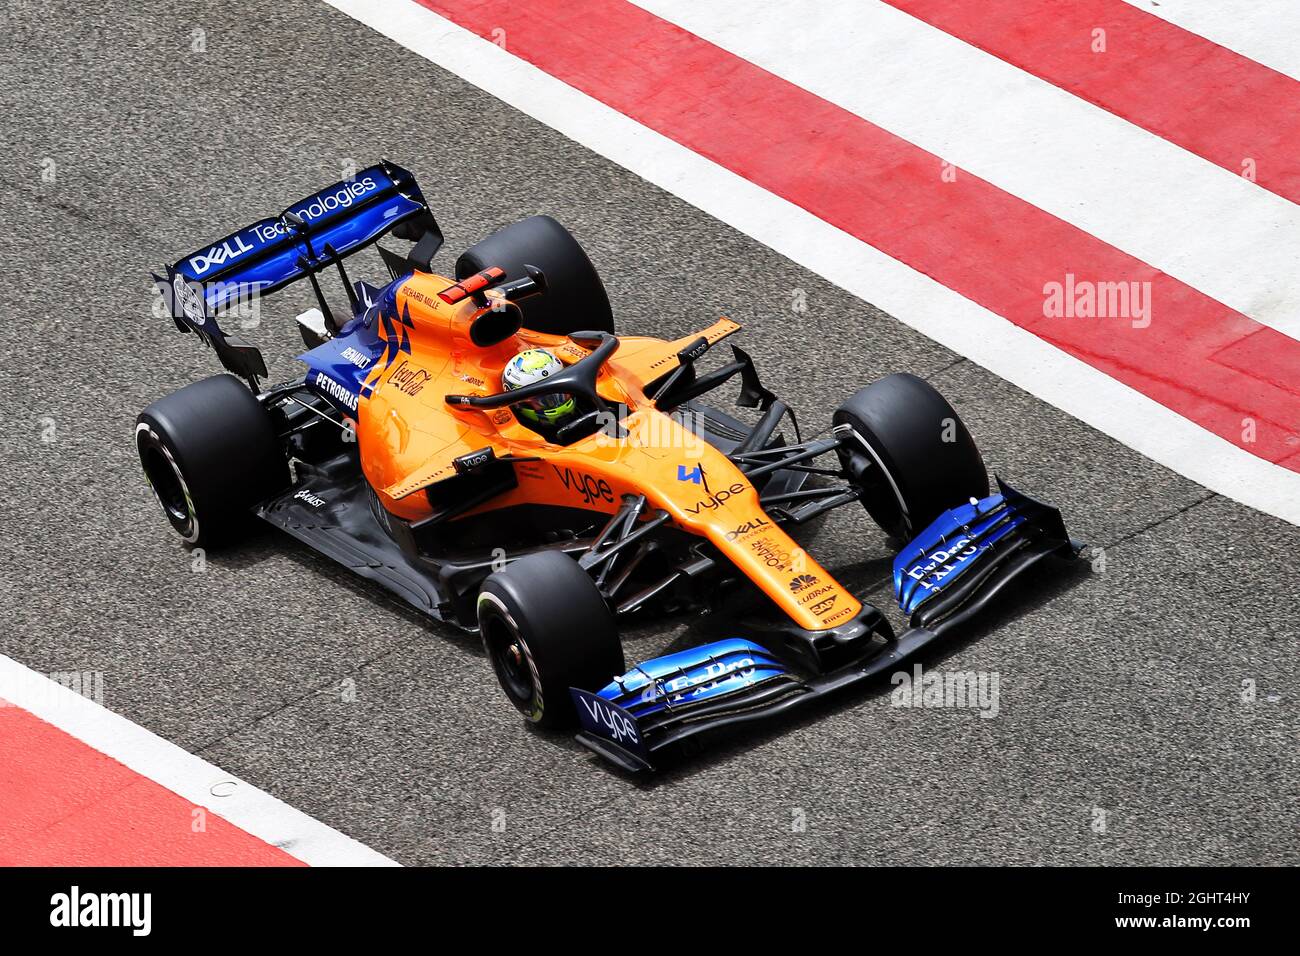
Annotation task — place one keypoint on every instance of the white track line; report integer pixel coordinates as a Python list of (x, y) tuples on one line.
[(1266, 31), (915, 299), (184, 774), (1204, 225)]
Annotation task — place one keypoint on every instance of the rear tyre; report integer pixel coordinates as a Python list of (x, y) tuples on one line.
[(575, 299), (909, 454), (547, 628), (210, 453)]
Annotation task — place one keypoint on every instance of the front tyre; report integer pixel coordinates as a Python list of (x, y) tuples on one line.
[(546, 628), (909, 454), (210, 453)]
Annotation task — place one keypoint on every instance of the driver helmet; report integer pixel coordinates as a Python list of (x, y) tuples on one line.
[(535, 365)]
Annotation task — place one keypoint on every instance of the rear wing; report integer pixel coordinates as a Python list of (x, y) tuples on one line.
[(311, 234)]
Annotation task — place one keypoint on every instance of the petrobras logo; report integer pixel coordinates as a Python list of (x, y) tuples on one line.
[(334, 390), (219, 255), (943, 563)]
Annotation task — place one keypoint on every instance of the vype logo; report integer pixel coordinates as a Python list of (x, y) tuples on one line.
[(616, 725), (130, 910)]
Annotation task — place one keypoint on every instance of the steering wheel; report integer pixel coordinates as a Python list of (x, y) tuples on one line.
[(576, 379)]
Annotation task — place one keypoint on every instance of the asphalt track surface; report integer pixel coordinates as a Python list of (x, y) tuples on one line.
[(1126, 689)]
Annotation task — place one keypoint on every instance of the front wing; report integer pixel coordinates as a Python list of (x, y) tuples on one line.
[(947, 574)]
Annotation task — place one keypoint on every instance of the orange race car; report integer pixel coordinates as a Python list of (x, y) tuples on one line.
[(486, 448)]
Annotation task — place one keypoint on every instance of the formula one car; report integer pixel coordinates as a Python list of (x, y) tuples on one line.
[(402, 455)]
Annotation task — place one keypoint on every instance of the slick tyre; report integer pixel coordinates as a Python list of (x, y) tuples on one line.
[(547, 628), (909, 454), (575, 298), (210, 453)]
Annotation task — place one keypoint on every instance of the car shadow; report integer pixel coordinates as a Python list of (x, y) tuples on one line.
[(268, 542)]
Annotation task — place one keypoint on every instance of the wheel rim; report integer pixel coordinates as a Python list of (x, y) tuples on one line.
[(510, 660), (167, 483), (879, 496)]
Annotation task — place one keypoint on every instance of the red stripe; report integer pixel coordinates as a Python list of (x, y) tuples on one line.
[(985, 244), (1215, 103), (63, 803)]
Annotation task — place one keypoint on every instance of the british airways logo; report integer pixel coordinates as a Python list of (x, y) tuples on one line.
[(218, 255)]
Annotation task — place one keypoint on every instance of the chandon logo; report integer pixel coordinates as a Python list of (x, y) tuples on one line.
[(772, 553)]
